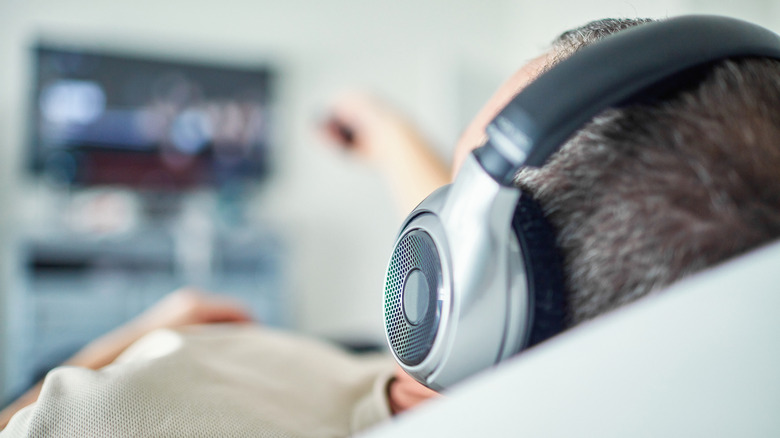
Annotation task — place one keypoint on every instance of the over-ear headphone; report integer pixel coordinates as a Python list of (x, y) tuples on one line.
[(474, 277)]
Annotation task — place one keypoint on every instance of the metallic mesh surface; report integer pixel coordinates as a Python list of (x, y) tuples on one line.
[(411, 343)]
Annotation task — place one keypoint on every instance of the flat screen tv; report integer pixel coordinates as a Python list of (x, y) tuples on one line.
[(147, 123)]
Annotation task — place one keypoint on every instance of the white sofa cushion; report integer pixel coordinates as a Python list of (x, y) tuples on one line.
[(700, 359)]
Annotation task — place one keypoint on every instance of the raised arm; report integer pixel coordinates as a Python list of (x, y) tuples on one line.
[(380, 134)]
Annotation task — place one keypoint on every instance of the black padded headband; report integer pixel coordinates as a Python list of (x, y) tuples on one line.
[(550, 109)]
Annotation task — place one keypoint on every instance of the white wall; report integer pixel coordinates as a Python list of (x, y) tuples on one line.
[(435, 58)]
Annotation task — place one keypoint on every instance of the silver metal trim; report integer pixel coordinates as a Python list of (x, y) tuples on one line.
[(484, 299)]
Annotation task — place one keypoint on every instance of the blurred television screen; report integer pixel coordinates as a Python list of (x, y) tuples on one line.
[(147, 123)]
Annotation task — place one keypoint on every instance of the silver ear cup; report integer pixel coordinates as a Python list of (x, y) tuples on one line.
[(455, 292), (412, 305)]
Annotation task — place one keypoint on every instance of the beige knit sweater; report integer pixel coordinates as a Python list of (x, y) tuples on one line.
[(223, 381)]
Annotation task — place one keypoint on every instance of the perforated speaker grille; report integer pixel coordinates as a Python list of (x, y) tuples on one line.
[(410, 341)]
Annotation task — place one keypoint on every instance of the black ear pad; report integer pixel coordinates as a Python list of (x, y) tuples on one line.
[(544, 269)]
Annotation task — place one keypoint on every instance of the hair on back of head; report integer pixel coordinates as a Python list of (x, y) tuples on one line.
[(649, 193)]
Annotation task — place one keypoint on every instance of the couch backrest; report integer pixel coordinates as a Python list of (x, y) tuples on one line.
[(700, 359)]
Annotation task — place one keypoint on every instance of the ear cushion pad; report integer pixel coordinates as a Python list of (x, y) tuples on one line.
[(544, 268)]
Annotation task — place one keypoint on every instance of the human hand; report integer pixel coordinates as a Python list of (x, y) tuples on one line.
[(189, 306), (369, 127), (180, 308), (378, 133), (405, 393)]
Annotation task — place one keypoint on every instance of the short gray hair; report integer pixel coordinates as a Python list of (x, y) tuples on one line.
[(575, 39), (647, 194)]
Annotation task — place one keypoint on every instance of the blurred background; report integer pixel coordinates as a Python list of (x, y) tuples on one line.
[(146, 145)]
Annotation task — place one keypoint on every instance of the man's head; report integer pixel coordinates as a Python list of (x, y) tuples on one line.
[(646, 194), (649, 193)]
